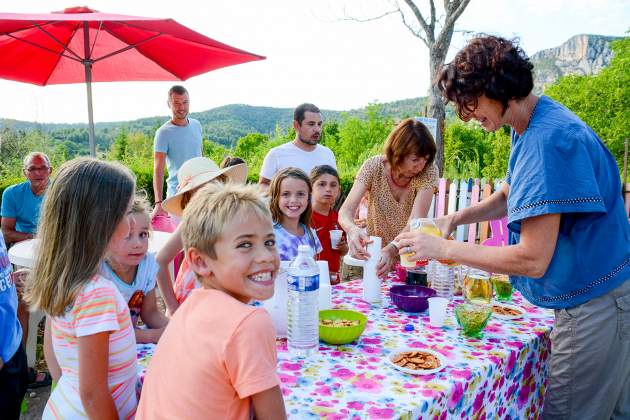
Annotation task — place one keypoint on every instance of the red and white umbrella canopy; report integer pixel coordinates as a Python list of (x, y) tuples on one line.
[(51, 48), (80, 45)]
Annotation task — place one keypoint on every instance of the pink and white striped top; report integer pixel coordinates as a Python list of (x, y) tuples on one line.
[(98, 307)]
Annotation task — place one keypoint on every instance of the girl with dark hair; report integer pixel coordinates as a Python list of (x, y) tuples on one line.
[(568, 231), (324, 218)]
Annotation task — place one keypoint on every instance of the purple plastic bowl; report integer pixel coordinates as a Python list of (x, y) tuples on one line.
[(411, 298)]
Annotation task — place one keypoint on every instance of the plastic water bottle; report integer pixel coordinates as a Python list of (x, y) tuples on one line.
[(303, 323), (443, 280)]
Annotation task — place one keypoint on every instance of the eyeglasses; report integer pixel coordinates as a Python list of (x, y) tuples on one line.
[(32, 169)]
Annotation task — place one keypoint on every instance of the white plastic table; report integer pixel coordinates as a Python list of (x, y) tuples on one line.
[(23, 253)]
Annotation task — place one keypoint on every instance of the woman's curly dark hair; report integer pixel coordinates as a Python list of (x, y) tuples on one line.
[(488, 65)]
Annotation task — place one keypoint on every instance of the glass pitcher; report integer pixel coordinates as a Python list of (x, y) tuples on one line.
[(477, 287)]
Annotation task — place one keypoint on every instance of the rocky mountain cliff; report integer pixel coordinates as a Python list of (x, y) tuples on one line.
[(582, 54)]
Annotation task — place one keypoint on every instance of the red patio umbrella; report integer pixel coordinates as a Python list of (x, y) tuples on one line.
[(80, 45)]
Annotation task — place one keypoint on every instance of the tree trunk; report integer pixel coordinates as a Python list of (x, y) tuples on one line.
[(437, 56)]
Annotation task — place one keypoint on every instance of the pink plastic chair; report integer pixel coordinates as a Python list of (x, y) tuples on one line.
[(499, 231), (163, 224)]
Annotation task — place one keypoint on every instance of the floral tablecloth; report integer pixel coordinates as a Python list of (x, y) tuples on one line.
[(501, 375)]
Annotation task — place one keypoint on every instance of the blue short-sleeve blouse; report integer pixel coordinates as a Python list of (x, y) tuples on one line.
[(559, 165)]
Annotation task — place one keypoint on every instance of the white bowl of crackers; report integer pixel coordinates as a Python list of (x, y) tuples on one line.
[(416, 361)]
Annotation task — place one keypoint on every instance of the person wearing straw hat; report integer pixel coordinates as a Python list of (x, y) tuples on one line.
[(192, 175)]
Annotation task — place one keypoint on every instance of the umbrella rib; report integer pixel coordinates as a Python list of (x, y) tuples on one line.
[(112, 33), (128, 47), (43, 48), (65, 47), (98, 31)]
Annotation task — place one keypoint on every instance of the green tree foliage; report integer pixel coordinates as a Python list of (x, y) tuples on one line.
[(120, 147), (496, 159), (214, 151), (359, 139), (471, 152), (250, 148), (602, 101), (465, 146)]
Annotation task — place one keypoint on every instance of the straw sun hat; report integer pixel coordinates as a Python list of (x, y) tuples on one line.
[(196, 172)]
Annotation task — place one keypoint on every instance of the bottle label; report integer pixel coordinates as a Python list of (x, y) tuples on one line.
[(304, 283)]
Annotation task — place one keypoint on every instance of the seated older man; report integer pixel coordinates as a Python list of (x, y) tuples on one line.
[(21, 202), (20, 215)]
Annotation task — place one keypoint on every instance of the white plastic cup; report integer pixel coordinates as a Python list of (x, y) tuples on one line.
[(325, 290), (335, 238), (324, 274), (437, 311), (277, 304)]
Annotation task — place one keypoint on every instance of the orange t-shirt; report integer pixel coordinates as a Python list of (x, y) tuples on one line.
[(215, 353)]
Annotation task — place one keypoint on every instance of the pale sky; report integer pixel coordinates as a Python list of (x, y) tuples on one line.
[(312, 54)]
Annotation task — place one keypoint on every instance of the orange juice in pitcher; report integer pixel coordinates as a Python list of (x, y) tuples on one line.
[(428, 227)]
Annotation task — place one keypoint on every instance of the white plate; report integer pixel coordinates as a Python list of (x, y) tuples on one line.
[(505, 305), (419, 371)]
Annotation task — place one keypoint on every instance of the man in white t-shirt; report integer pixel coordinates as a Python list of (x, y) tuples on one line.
[(303, 152)]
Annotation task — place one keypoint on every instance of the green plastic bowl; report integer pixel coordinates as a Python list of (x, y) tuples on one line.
[(341, 335)]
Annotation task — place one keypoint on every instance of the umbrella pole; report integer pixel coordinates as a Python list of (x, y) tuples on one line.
[(87, 64), (88, 77)]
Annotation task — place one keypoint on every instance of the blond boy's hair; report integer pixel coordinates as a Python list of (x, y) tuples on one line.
[(141, 206), (215, 206)]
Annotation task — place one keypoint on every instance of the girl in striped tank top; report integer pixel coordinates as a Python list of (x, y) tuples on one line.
[(86, 210)]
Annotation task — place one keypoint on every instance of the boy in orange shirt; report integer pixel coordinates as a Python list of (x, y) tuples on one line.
[(217, 357)]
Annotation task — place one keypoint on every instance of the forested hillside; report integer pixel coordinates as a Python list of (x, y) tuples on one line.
[(223, 125)]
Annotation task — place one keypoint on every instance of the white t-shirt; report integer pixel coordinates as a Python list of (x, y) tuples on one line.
[(289, 154)]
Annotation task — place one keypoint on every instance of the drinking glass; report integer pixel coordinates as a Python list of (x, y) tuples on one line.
[(472, 318), (502, 286), (477, 287)]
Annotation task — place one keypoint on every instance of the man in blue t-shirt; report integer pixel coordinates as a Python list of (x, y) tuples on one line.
[(176, 141), (13, 367), (21, 202)]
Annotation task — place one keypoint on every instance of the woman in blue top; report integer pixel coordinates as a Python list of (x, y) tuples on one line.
[(568, 231)]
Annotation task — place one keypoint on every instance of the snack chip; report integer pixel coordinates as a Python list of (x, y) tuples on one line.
[(503, 310), (416, 360), (338, 322)]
